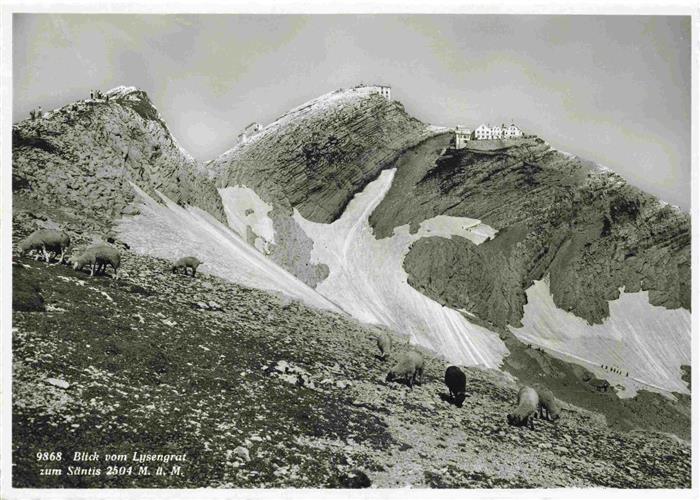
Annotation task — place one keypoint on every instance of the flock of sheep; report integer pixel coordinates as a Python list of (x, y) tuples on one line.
[(410, 364), (47, 241), (530, 403)]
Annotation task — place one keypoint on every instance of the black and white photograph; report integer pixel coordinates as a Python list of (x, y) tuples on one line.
[(267, 251)]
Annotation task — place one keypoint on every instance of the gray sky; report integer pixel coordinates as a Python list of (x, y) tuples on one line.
[(613, 89)]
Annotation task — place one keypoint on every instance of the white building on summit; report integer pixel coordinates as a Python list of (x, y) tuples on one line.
[(385, 91), (249, 132), (485, 132), (512, 132)]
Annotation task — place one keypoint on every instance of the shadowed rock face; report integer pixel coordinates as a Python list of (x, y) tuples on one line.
[(81, 157), (586, 228), (316, 157)]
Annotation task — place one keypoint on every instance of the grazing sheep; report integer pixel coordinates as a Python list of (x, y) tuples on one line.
[(186, 262), (98, 256), (600, 384), (46, 240), (384, 344), (456, 382), (409, 367), (548, 405), (525, 413)]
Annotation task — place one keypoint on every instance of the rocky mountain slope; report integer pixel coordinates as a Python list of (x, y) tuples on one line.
[(317, 156), (314, 159), (77, 162), (582, 228), (587, 228), (271, 393), (350, 206)]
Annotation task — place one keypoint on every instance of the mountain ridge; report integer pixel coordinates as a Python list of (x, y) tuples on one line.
[(316, 158), (445, 250)]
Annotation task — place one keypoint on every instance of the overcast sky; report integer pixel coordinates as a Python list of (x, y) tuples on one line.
[(613, 89)]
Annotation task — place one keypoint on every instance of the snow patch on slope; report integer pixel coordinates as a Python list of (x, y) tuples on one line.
[(367, 278), (170, 231), (245, 209), (650, 342)]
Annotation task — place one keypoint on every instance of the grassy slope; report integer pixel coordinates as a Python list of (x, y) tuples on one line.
[(150, 371)]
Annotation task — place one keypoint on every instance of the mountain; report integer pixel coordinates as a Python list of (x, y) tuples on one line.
[(560, 224), (582, 233), (314, 159), (78, 162), (504, 255), (586, 227)]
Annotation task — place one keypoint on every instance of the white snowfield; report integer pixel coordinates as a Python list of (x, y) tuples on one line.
[(170, 231), (367, 278), (650, 342)]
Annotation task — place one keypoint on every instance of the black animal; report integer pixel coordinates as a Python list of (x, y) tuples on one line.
[(456, 382)]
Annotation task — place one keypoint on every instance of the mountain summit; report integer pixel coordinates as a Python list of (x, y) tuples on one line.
[(81, 158)]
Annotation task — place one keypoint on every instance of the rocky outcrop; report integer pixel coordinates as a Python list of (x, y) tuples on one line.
[(584, 226), (76, 162), (317, 156), (293, 250)]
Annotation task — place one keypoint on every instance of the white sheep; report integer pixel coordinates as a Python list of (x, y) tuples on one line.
[(548, 405), (524, 414), (98, 256), (46, 240), (409, 367), (384, 343), (186, 262)]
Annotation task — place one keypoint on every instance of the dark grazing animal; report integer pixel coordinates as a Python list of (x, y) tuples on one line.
[(456, 382), (409, 367), (46, 240), (524, 414), (185, 263), (98, 256)]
